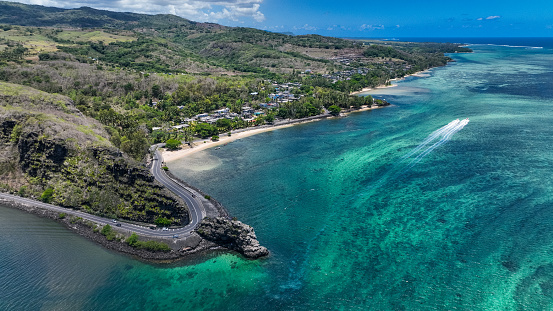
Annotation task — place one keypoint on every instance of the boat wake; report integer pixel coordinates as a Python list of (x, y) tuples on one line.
[(433, 141)]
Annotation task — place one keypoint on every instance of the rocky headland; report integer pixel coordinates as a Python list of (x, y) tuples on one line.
[(232, 234)]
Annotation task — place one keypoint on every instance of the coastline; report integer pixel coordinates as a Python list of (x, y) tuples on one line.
[(421, 74), (367, 89), (186, 150), (197, 244), (85, 230), (170, 156)]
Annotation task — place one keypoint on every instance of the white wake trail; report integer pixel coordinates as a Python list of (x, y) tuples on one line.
[(439, 137), (432, 137), (445, 138)]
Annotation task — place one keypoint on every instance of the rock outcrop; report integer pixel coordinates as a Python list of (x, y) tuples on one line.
[(232, 234)]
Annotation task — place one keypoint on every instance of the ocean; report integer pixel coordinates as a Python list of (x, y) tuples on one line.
[(400, 208)]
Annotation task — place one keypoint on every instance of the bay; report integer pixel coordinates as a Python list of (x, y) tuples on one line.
[(367, 212)]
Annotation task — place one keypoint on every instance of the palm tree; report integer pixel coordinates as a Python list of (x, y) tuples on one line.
[(188, 134)]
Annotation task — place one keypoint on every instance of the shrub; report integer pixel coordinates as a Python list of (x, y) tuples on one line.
[(108, 232), (207, 197), (153, 246), (162, 222), (165, 168), (335, 110), (215, 138), (132, 240), (46, 196), (62, 215)]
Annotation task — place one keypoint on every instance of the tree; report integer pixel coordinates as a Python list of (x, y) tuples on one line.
[(156, 91), (270, 118), (187, 134), (172, 144), (206, 130), (225, 124), (334, 110)]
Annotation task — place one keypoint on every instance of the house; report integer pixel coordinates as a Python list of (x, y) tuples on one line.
[(247, 110), (202, 115), (180, 126), (222, 111)]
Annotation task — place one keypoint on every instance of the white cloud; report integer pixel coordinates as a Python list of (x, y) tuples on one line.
[(488, 18), (371, 27), (196, 10), (305, 27)]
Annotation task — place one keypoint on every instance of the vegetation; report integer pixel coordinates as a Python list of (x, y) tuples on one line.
[(108, 232), (46, 196), (172, 144), (148, 245), (163, 222), (334, 110), (53, 152)]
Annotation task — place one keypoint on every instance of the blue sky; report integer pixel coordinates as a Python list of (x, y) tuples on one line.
[(368, 18)]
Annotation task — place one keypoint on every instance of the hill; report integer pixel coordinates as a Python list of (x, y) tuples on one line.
[(50, 150), (166, 43)]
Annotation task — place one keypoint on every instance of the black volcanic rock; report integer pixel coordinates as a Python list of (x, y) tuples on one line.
[(232, 234)]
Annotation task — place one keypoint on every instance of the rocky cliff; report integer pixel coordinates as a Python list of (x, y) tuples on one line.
[(232, 234), (49, 150)]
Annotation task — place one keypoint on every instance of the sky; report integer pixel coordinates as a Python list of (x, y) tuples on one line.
[(364, 18)]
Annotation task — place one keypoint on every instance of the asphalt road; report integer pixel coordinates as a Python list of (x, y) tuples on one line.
[(196, 208)]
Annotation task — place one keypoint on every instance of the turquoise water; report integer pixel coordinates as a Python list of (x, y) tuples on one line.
[(357, 212)]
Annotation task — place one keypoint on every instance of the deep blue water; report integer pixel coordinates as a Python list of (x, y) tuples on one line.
[(400, 208), (544, 42)]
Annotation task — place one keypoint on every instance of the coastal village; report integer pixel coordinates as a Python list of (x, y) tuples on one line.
[(252, 112), (247, 113)]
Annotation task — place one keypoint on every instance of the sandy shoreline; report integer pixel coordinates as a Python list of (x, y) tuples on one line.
[(367, 89), (420, 74), (169, 156), (200, 145)]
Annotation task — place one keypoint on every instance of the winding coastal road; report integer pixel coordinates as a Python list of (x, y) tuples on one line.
[(196, 208)]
